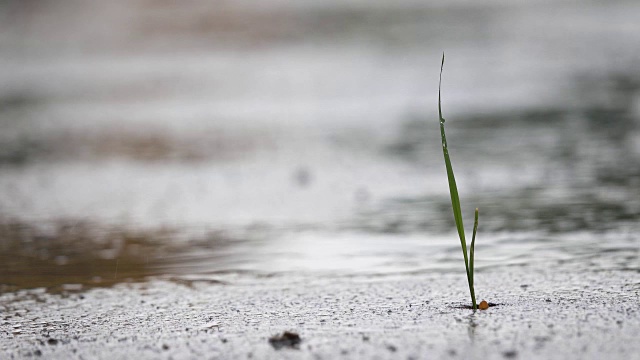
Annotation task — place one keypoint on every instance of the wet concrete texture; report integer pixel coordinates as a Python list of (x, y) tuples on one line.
[(543, 313)]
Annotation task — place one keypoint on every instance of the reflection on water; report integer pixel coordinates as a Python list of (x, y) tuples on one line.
[(72, 254), (67, 256), (303, 138)]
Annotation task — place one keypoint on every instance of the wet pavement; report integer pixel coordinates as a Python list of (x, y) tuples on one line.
[(541, 313)]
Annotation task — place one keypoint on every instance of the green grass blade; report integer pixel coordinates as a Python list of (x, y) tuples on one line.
[(453, 191), (473, 245)]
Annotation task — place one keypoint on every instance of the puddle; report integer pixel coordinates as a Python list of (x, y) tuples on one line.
[(191, 181), (300, 139), (73, 257)]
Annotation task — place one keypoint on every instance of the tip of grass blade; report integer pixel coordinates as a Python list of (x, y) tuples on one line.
[(439, 89)]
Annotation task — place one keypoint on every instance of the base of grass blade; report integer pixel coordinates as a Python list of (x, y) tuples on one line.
[(470, 307)]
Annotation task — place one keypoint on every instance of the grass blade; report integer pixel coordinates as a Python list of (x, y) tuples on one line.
[(473, 245), (453, 191)]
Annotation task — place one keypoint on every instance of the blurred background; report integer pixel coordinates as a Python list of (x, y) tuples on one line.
[(270, 137)]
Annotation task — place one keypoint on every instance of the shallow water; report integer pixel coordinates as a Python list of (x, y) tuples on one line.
[(303, 138), (187, 180)]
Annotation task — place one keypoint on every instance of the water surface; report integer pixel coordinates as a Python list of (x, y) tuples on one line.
[(303, 138)]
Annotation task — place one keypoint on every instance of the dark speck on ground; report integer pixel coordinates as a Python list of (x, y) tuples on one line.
[(286, 339)]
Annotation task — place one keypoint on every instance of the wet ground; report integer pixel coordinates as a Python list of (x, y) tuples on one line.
[(542, 313), (198, 179)]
